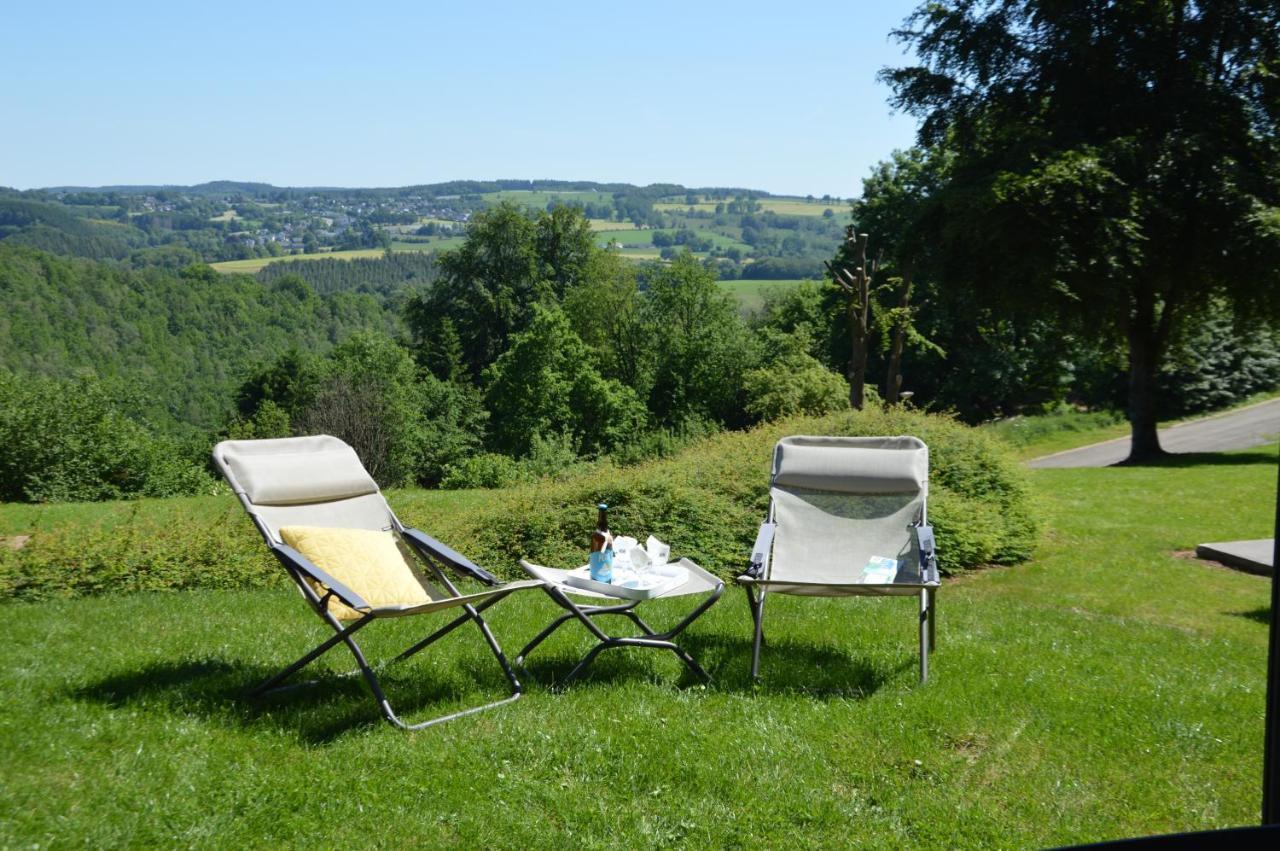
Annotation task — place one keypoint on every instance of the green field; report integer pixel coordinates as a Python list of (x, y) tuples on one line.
[(751, 293), (609, 225), (643, 238), (1108, 688), (439, 243), (626, 237), (801, 207), (781, 206), (540, 199), (256, 264)]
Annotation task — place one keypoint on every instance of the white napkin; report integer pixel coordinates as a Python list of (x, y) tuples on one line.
[(657, 551)]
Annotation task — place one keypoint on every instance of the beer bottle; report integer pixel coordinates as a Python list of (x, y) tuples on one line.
[(601, 560)]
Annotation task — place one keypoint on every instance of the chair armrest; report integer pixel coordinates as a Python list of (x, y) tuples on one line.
[(761, 551), (928, 554), (431, 548), (291, 558)]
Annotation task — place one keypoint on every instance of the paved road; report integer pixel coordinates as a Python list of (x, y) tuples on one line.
[(1252, 426)]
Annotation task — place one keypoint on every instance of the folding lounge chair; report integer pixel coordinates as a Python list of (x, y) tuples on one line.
[(837, 503), (315, 491)]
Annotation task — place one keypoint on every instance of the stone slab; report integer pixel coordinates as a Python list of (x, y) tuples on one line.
[(1249, 556)]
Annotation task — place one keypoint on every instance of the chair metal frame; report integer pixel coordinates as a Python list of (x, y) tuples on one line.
[(756, 580), (431, 553)]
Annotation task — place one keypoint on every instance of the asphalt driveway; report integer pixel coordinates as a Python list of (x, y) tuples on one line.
[(1252, 426)]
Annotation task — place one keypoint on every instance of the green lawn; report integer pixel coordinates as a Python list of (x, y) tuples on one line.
[(1105, 689)]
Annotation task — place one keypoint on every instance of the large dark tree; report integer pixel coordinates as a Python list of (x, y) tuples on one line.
[(1116, 165)]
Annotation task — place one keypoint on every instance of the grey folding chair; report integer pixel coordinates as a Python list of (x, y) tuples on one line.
[(311, 482), (839, 505)]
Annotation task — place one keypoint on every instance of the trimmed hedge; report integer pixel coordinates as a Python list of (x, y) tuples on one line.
[(707, 501)]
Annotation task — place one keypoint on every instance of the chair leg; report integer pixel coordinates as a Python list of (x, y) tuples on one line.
[(933, 619), (924, 635), (757, 614), (341, 634), (471, 614)]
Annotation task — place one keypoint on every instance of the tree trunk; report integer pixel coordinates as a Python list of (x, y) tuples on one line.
[(858, 356), (862, 293), (856, 284), (1144, 358), (893, 381)]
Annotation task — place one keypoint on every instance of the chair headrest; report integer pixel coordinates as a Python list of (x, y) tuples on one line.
[(293, 470), (852, 464)]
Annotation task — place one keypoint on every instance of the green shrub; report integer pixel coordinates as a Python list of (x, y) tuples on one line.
[(708, 500), (548, 457), (139, 545), (796, 384), (75, 439)]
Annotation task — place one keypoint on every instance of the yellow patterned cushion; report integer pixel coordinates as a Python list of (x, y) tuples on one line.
[(368, 562)]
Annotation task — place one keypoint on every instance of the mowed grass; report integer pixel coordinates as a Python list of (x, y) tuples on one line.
[(1108, 688)]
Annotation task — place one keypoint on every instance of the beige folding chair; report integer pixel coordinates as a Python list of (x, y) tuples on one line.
[(842, 509), (315, 493)]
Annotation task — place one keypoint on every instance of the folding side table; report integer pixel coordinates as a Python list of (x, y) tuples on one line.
[(555, 583)]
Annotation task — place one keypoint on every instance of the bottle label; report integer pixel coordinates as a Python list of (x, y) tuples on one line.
[(601, 565)]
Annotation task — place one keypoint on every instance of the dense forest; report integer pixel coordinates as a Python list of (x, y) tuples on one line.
[(182, 339)]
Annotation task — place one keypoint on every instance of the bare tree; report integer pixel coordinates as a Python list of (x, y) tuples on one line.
[(356, 413), (854, 277)]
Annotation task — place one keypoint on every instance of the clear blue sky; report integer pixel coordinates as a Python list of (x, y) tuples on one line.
[(779, 96)]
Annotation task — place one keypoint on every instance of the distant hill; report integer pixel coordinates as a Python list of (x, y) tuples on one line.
[(56, 228), (224, 188)]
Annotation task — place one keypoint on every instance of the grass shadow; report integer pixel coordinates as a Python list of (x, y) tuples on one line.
[(612, 666), (320, 705), (789, 666), (1178, 460), (1261, 615)]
